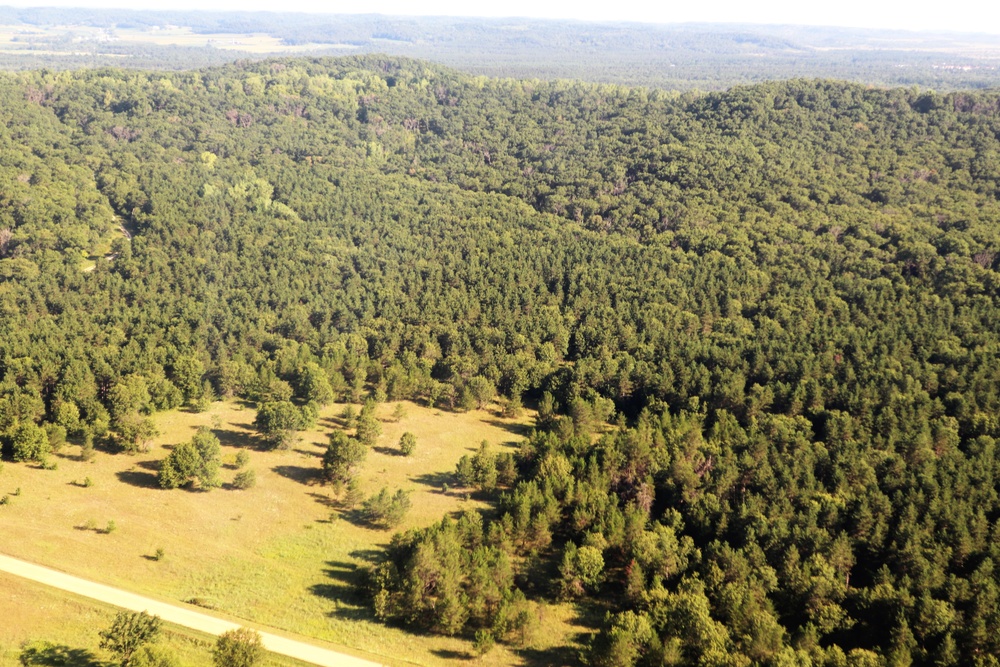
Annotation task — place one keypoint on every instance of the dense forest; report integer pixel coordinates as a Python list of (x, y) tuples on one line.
[(686, 56), (760, 327)]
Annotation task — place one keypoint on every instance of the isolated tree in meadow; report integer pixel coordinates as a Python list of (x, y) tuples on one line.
[(238, 648), (354, 494), (277, 421), (190, 461), (245, 479), (369, 428), (135, 432), (128, 632), (342, 455), (348, 415), (465, 475), (407, 443), (242, 459), (386, 510)]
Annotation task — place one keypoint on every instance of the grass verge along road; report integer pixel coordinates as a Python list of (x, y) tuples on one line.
[(178, 615)]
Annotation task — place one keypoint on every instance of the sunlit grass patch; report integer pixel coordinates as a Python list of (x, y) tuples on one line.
[(285, 553)]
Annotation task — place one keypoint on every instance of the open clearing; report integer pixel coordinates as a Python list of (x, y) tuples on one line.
[(283, 554), (76, 39)]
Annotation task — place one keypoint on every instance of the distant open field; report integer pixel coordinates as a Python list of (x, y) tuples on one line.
[(282, 554), (77, 39)]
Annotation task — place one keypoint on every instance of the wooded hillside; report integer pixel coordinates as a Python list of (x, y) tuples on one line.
[(784, 295)]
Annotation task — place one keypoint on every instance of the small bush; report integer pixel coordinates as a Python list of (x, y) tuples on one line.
[(160, 554), (56, 435), (484, 642), (111, 527), (354, 495), (238, 648), (511, 408), (5, 500), (242, 459), (17, 491), (154, 655), (384, 510), (245, 479), (349, 414)]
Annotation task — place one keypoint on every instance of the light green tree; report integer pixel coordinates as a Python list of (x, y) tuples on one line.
[(238, 648), (128, 633)]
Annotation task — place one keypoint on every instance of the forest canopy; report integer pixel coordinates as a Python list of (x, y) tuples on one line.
[(784, 296)]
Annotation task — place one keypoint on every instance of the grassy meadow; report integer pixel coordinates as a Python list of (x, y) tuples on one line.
[(283, 554)]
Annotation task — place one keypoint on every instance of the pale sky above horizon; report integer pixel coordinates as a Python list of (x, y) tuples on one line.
[(956, 15)]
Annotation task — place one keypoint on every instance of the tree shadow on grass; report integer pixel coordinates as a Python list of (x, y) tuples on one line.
[(344, 590), (307, 452), (388, 451), (240, 439), (370, 556), (300, 474), (554, 655), (335, 422), (47, 654), (355, 517), (325, 500), (520, 430), (449, 654), (140, 478), (436, 480)]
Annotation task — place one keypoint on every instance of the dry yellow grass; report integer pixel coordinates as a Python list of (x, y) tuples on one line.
[(281, 554)]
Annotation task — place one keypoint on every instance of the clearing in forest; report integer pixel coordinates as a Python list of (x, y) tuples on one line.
[(284, 553)]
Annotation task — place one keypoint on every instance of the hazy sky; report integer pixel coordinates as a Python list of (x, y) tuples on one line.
[(964, 15)]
